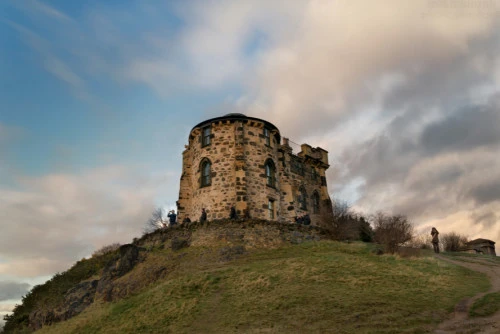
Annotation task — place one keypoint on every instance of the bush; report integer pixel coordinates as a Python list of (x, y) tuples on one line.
[(453, 242), (422, 241), (348, 224), (106, 249), (392, 231)]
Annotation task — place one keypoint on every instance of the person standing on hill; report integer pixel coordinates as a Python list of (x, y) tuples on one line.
[(203, 216), (172, 217), (435, 240), (232, 213), (306, 220)]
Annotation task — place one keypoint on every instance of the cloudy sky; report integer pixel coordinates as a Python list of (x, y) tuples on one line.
[(97, 99)]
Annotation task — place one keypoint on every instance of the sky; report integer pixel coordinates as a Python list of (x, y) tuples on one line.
[(97, 99)]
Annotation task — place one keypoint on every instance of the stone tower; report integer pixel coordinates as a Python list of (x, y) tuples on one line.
[(241, 161)]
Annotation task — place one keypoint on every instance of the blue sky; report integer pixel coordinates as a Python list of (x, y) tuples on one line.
[(71, 114), (97, 100)]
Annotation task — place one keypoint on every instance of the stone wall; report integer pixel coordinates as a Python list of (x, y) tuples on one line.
[(238, 151), (251, 234)]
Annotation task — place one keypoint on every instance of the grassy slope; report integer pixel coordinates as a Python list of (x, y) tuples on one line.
[(312, 287)]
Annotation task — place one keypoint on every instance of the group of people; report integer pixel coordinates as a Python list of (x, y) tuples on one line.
[(303, 219), (172, 217)]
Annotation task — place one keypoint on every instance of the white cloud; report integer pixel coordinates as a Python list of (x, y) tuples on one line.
[(220, 45), (56, 219), (335, 61)]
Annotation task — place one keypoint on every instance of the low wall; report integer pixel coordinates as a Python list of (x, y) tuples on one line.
[(248, 233)]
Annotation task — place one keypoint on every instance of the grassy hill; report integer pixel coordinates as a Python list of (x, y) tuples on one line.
[(227, 282)]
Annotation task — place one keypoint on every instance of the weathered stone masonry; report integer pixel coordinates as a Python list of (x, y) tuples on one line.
[(240, 160)]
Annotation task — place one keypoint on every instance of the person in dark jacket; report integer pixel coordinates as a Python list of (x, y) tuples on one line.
[(172, 218), (306, 220), (232, 214), (186, 220), (203, 216)]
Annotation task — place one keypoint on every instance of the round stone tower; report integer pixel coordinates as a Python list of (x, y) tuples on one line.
[(239, 160)]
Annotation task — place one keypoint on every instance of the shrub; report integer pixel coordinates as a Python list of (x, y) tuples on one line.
[(422, 241), (106, 249), (348, 224), (452, 242), (392, 231)]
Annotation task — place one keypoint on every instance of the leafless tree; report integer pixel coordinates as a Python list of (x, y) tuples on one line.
[(340, 208), (452, 242), (392, 231), (156, 221)]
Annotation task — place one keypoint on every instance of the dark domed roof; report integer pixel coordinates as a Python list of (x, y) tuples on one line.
[(237, 117), (235, 114)]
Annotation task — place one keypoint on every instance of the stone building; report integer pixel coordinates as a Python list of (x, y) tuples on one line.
[(480, 246), (243, 161)]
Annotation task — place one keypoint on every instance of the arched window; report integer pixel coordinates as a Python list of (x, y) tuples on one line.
[(302, 198), (315, 202), (270, 173), (206, 170)]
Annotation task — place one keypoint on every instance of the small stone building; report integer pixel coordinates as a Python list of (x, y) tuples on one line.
[(243, 161), (480, 246)]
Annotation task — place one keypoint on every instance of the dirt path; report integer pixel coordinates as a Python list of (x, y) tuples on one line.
[(460, 321)]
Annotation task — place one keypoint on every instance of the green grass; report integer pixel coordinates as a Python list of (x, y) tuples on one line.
[(488, 305), (314, 287)]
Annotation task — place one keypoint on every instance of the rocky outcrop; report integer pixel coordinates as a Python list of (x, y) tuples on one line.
[(129, 256), (75, 301), (83, 295), (179, 243)]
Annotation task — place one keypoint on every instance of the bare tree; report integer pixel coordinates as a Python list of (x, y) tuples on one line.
[(392, 231), (348, 224), (156, 221), (343, 226), (340, 208), (452, 242)]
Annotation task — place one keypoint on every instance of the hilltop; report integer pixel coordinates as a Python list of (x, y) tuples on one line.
[(247, 276)]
